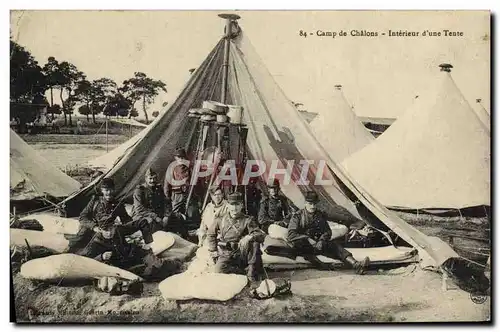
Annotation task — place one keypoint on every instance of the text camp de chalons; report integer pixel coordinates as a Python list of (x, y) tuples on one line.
[(390, 33)]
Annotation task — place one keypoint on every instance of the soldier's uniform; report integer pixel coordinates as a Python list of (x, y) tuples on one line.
[(105, 214), (178, 193), (275, 209), (149, 210), (224, 236), (304, 225), (211, 213)]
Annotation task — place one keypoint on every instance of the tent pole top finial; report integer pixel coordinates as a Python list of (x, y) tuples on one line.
[(446, 67), (232, 17)]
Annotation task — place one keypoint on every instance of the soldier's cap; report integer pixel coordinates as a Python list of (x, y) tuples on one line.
[(274, 184), (312, 197), (108, 183), (150, 172), (180, 153), (235, 198)]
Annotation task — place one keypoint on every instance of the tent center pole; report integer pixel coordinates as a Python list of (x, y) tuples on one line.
[(230, 18)]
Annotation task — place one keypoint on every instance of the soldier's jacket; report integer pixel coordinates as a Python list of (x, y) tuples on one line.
[(273, 209), (103, 214), (180, 172), (231, 230), (149, 202), (304, 224)]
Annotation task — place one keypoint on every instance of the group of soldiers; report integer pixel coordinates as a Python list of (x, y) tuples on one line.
[(232, 237)]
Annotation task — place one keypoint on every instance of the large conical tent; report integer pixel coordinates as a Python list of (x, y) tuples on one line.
[(483, 114), (339, 129), (276, 131), (435, 157), (32, 176)]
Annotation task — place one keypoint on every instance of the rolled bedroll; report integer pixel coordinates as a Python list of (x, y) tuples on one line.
[(52, 223), (181, 249), (53, 241), (378, 256), (206, 286), (71, 267)]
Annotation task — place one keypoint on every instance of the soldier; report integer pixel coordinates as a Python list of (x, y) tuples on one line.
[(310, 234), (234, 241), (178, 193), (151, 208), (275, 209), (110, 223), (214, 209)]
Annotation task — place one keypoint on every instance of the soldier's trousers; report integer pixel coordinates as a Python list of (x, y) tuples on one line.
[(147, 228), (331, 249), (130, 257), (237, 262), (179, 200)]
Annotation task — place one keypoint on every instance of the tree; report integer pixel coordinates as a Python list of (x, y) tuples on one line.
[(155, 114), (84, 110), (95, 94), (133, 113), (141, 87), (117, 105), (70, 77), (53, 77), (27, 81), (55, 109)]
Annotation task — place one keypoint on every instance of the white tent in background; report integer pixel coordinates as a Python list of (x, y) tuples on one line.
[(106, 161), (33, 176), (126, 121), (483, 114), (431, 157), (339, 131)]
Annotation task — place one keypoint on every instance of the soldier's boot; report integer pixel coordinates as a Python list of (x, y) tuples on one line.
[(358, 266)]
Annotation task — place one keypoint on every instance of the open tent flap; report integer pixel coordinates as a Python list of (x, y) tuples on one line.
[(276, 132)]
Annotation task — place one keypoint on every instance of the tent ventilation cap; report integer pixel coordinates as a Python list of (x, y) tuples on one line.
[(446, 67)]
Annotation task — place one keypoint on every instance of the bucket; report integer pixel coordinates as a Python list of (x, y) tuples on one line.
[(222, 118), (235, 114), (215, 107)]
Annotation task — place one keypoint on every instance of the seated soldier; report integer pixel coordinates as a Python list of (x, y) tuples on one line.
[(234, 241), (110, 223), (310, 234), (151, 208), (216, 208), (275, 209)]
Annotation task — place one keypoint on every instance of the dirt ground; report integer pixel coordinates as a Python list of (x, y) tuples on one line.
[(406, 294)]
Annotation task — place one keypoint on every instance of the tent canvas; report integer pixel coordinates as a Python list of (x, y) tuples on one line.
[(483, 114), (339, 129), (436, 156), (276, 131), (107, 160), (32, 176)]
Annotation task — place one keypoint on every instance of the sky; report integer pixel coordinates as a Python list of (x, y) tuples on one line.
[(380, 75)]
